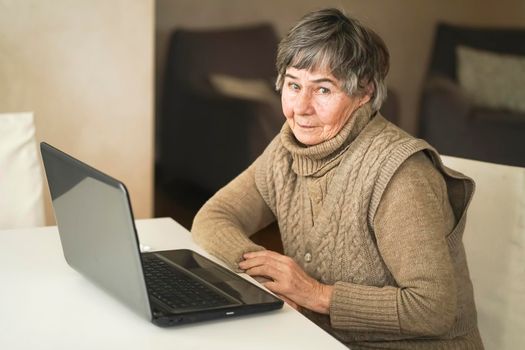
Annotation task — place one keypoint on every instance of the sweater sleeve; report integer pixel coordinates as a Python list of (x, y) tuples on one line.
[(412, 242), (222, 226)]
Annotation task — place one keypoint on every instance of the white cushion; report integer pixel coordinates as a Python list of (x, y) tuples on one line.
[(491, 79), (495, 246), (21, 196)]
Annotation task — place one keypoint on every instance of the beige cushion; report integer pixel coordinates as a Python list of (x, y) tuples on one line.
[(495, 246), (249, 89), (491, 79), (21, 199)]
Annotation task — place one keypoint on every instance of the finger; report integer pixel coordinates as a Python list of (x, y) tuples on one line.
[(296, 286), (262, 279), (251, 262), (260, 261), (265, 253), (282, 288), (274, 287), (264, 270), (289, 302), (283, 262)]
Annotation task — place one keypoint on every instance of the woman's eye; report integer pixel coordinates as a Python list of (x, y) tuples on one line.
[(323, 90), (293, 86)]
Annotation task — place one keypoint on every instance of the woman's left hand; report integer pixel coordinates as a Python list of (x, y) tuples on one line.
[(288, 279)]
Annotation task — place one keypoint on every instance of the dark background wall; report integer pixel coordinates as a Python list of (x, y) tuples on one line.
[(407, 26)]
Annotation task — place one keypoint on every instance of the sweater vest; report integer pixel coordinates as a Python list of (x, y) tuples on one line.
[(341, 244)]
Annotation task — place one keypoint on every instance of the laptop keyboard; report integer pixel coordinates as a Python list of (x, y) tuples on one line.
[(176, 289)]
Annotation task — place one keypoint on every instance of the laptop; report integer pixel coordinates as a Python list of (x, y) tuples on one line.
[(99, 240)]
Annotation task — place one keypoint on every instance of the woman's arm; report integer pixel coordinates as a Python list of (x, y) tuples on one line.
[(412, 242), (222, 226)]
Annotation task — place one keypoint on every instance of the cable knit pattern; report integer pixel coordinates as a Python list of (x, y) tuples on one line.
[(372, 212), (341, 240)]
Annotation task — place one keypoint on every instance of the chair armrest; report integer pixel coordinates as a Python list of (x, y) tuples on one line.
[(511, 119), (443, 94), (208, 138), (447, 96), (444, 113), (444, 107), (234, 136)]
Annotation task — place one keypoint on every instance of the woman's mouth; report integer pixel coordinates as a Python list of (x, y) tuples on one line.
[(306, 126)]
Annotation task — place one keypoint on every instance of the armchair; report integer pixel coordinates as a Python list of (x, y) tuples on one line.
[(219, 108), (494, 240), (21, 185), (450, 120)]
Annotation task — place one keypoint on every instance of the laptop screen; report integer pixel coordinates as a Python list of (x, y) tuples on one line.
[(96, 227)]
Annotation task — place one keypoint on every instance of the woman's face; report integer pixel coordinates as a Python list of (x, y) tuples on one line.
[(315, 106)]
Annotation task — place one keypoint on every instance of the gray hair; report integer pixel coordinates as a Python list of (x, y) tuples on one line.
[(356, 55)]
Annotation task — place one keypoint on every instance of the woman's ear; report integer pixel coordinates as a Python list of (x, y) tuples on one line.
[(369, 91), (364, 100)]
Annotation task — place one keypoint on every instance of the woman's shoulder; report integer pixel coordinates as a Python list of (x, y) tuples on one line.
[(419, 164), (417, 182), (392, 142), (417, 170)]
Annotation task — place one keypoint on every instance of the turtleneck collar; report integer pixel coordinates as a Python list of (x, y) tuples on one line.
[(318, 159)]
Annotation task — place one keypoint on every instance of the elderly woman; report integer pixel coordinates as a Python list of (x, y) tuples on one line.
[(370, 219)]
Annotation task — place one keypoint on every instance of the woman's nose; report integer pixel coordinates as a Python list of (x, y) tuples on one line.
[(303, 103)]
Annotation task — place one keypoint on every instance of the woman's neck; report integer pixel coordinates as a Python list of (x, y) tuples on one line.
[(310, 160)]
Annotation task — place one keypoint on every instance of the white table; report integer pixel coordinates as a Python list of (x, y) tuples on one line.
[(44, 304)]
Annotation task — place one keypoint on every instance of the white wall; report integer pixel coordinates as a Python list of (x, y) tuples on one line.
[(85, 68), (407, 26)]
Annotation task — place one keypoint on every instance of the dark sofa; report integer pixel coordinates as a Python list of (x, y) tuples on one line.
[(448, 118)]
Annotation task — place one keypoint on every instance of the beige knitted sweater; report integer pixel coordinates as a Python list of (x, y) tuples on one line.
[(371, 213)]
